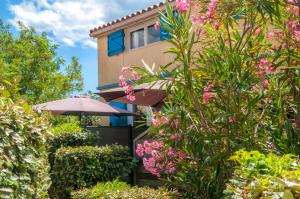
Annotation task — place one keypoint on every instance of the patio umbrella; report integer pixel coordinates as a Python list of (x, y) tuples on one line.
[(81, 106), (147, 94)]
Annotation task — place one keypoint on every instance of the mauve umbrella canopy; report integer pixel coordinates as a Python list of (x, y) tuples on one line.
[(81, 106), (147, 94)]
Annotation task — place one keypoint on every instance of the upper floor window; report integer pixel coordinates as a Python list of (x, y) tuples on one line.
[(137, 38), (153, 35), (144, 36)]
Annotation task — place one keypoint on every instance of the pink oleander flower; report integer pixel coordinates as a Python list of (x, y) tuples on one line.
[(147, 147), (122, 81), (258, 31), (266, 83), (202, 19), (157, 25), (131, 97), (194, 18), (161, 132), (165, 119), (172, 170), (156, 122), (207, 96), (183, 5), (139, 150), (263, 62), (135, 75), (175, 136), (216, 26), (255, 89), (126, 69), (129, 90)]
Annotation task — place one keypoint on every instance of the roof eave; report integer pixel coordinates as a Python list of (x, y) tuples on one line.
[(128, 20)]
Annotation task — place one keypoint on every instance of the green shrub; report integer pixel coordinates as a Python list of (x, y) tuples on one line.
[(66, 128), (84, 166), (264, 176), (117, 189), (69, 138), (23, 158)]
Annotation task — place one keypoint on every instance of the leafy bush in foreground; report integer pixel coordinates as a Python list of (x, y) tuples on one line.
[(264, 176), (85, 166), (117, 189), (23, 158), (68, 135)]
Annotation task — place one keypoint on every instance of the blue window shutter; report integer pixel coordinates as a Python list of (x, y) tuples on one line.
[(164, 34), (115, 43), (118, 121)]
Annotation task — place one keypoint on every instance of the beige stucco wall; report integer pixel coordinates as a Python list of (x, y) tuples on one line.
[(109, 68)]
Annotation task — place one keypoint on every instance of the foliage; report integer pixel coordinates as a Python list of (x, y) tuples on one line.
[(264, 176), (233, 83), (68, 135), (84, 166), (66, 128), (31, 64), (118, 189), (23, 158)]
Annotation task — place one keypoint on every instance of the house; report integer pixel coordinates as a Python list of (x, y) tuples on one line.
[(126, 42)]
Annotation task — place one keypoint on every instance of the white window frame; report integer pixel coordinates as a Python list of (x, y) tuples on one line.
[(130, 30)]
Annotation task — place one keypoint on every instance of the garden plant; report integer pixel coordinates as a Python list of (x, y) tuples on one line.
[(233, 84)]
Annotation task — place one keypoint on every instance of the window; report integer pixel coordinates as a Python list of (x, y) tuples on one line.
[(153, 35), (137, 39)]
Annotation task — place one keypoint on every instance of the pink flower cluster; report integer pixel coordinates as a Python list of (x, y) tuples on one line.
[(207, 94), (158, 160), (159, 120), (183, 5), (264, 68), (209, 16), (123, 82)]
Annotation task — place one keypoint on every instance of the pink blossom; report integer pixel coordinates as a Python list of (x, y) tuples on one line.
[(122, 81), (183, 5), (139, 150), (126, 69), (255, 89), (266, 83), (258, 31), (157, 25), (156, 122), (148, 148), (217, 26), (129, 90), (194, 18), (174, 124), (161, 132), (172, 170), (131, 97), (202, 19), (207, 96), (135, 75), (175, 136), (263, 62), (165, 119)]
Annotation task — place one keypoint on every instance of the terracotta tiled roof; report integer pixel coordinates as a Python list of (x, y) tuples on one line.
[(129, 16)]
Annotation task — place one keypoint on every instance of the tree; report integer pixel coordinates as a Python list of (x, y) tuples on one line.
[(30, 60)]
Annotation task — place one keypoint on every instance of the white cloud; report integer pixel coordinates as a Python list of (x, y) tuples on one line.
[(69, 21)]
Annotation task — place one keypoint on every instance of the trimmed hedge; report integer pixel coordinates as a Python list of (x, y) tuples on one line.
[(69, 139), (121, 190), (85, 166)]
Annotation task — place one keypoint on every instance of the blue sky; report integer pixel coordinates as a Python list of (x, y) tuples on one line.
[(68, 22)]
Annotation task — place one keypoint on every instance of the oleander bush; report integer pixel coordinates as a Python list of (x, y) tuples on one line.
[(121, 190), (264, 176), (23, 157), (234, 83), (85, 166)]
